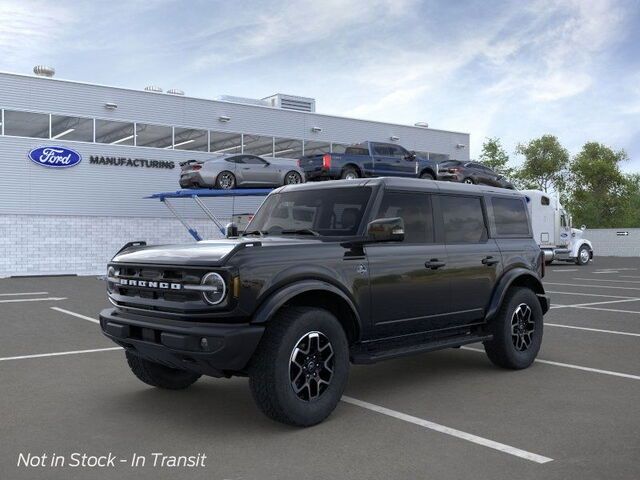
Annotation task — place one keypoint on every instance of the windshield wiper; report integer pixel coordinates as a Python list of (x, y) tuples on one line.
[(254, 232), (302, 231)]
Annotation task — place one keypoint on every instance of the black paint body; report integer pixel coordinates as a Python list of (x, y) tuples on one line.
[(387, 295)]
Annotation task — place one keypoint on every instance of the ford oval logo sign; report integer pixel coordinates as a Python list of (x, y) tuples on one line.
[(55, 157)]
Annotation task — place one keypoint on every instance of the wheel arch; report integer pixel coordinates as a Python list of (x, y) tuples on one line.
[(430, 171), (517, 277), (355, 166), (579, 244), (313, 293)]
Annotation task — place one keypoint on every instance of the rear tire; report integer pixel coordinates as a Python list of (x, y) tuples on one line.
[(584, 255), (427, 176), (225, 180), (517, 330), (292, 178), (307, 394), (349, 173), (468, 181), (158, 375)]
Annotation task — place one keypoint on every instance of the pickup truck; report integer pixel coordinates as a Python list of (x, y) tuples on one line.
[(368, 159)]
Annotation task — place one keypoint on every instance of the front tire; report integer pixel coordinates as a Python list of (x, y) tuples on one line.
[(517, 330), (427, 176), (225, 180), (300, 369), (584, 255), (158, 375), (468, 181)]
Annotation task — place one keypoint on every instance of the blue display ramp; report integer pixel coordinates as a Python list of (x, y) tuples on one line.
[(197, 194)]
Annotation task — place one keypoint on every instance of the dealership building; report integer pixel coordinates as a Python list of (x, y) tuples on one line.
[(127, 144)]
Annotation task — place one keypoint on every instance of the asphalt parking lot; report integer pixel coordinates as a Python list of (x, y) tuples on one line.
[(575, 414)]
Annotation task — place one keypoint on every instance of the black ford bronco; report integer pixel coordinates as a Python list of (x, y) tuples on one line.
[(328, 274)]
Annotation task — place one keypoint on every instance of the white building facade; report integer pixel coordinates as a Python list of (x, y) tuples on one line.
[(129, 144)]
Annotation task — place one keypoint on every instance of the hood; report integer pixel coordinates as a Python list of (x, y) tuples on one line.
[(207, 252)]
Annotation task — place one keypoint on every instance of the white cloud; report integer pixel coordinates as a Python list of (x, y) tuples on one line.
[(30, 28)]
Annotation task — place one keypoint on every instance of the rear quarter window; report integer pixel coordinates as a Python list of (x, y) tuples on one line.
[(510, 217)]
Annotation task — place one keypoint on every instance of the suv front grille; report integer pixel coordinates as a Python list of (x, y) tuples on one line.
[(174, 290)]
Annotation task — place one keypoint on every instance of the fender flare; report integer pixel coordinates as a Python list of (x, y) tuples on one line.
[(580, 243), (277, 299), (506, 281)]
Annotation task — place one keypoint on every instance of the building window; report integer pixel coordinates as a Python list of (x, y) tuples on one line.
[(157, 136), (338, 147), (316, 148), (71, 128), (257, 145), (287, 148), (227, 143), (190, 139), (26, 124), (114, 133)]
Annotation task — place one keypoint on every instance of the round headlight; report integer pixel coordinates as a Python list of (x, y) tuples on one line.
[(111, 273), (216, 290)]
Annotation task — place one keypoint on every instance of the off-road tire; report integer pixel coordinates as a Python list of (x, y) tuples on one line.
[(427, 176), (501, 349), (579, 258), (349, 173), (269, 369), (158, 375)]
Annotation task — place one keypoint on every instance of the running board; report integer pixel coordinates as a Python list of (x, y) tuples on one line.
[(371, 353)]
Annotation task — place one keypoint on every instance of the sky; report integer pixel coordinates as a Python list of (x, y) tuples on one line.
[(509, 69)]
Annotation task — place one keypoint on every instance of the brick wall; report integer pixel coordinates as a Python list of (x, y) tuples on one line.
[(48, 245)]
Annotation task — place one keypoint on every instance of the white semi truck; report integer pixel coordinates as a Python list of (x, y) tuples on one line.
[(553, 232)]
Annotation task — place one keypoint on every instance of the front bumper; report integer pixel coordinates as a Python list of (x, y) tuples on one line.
[(179, 344)]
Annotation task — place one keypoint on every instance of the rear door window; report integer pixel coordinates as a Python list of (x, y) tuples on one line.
[(414, 209), (463, 218), (510, 215)]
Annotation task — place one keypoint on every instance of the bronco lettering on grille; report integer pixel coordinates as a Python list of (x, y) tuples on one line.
[(149, 284)]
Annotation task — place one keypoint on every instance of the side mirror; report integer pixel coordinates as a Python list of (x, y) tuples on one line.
[(410, 156), (583, 227), (386, 230), (231, 230)]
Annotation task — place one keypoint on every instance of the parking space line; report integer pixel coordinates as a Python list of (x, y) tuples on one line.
[(570, 270), (592, 286), (74, 314), (485, 442), (629, 276), (591, 329), (609, 310), (577, 305), (607, 280), (47, 299), (589, 294), (569, 365), (22, 293), (57, 354)]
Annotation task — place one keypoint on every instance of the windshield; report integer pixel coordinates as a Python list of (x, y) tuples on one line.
[(335, 212)]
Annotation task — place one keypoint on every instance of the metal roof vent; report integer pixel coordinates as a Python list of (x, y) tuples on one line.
[(292, 102), (175, 91), (153, 88), (44, 71)]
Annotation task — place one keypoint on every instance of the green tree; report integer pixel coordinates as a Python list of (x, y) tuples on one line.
[(495, 157), (601, 195), (545, 164)]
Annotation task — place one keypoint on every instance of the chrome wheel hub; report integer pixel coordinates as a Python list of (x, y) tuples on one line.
[(311, 366), (293, 178), (584, 255), (522, 327), (226, 181)]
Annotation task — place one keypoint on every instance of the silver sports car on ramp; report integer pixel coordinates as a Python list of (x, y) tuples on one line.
[(241, 170)]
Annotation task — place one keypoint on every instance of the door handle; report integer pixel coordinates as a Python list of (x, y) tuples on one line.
[(489, 260), (434, 264)]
